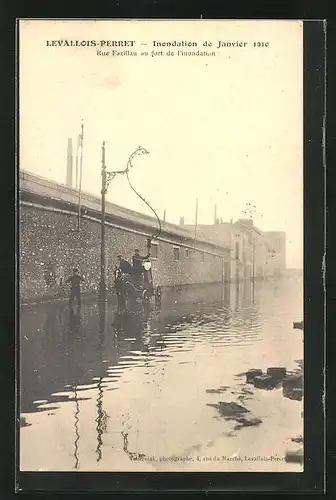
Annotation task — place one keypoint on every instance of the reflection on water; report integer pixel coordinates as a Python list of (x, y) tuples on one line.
[(76, 428), (75, 330), (150, 374), (102, 416)]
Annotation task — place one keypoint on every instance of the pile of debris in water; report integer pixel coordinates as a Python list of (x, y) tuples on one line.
[(292, 388), (275, 377)]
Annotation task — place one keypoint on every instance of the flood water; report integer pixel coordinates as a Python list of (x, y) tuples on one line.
[(100, 392)]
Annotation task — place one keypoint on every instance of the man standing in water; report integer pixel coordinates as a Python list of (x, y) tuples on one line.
[(75, 281)]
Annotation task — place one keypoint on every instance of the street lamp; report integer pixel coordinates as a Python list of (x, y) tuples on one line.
[(107, 177)]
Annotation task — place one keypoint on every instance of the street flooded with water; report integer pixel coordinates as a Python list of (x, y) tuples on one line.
[(144, 391)]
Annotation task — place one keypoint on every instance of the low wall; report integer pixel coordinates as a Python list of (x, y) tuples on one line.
[(50, 237)]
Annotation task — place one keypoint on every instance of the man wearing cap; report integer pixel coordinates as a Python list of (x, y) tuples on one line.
[(75, 281), (124, 265)]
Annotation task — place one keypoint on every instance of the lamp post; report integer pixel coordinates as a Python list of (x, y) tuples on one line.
[(253, 255), (107, 177)]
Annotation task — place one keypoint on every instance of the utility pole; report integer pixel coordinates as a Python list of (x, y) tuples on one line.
[(253, 255), (223, 271), (81, 141), (196, 217), (69, 173), (102, 285), (107, 177)]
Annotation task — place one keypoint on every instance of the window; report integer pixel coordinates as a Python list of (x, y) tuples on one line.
[(202, 257), (187, 253), (154, 251), (176, 253)]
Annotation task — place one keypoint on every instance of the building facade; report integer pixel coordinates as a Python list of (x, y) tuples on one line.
[(256, 248), (276, 256), (254, 254), (237, 239)]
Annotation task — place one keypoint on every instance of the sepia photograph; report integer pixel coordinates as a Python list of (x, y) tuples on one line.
[(161, 246)]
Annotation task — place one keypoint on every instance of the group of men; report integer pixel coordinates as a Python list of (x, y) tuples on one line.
[(136, 271), (137, 261)]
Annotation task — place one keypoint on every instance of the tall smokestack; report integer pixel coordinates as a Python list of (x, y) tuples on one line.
[(69, 164), (215, 215)]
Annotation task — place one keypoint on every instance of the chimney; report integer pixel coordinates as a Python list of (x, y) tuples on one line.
[(69, 164), (215, 215), (181, 221), (164, 215)]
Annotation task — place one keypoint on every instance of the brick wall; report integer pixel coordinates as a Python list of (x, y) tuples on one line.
[(48, 237)]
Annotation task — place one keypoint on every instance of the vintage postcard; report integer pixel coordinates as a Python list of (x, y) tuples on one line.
[(161, 245)]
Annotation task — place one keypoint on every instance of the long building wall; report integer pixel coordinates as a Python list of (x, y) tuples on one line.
[(49, 236)]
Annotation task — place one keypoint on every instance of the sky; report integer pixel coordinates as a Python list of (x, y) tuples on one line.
[(226, 129)]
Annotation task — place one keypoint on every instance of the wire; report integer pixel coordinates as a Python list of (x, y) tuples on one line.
[(76, 428), (157, 233)]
